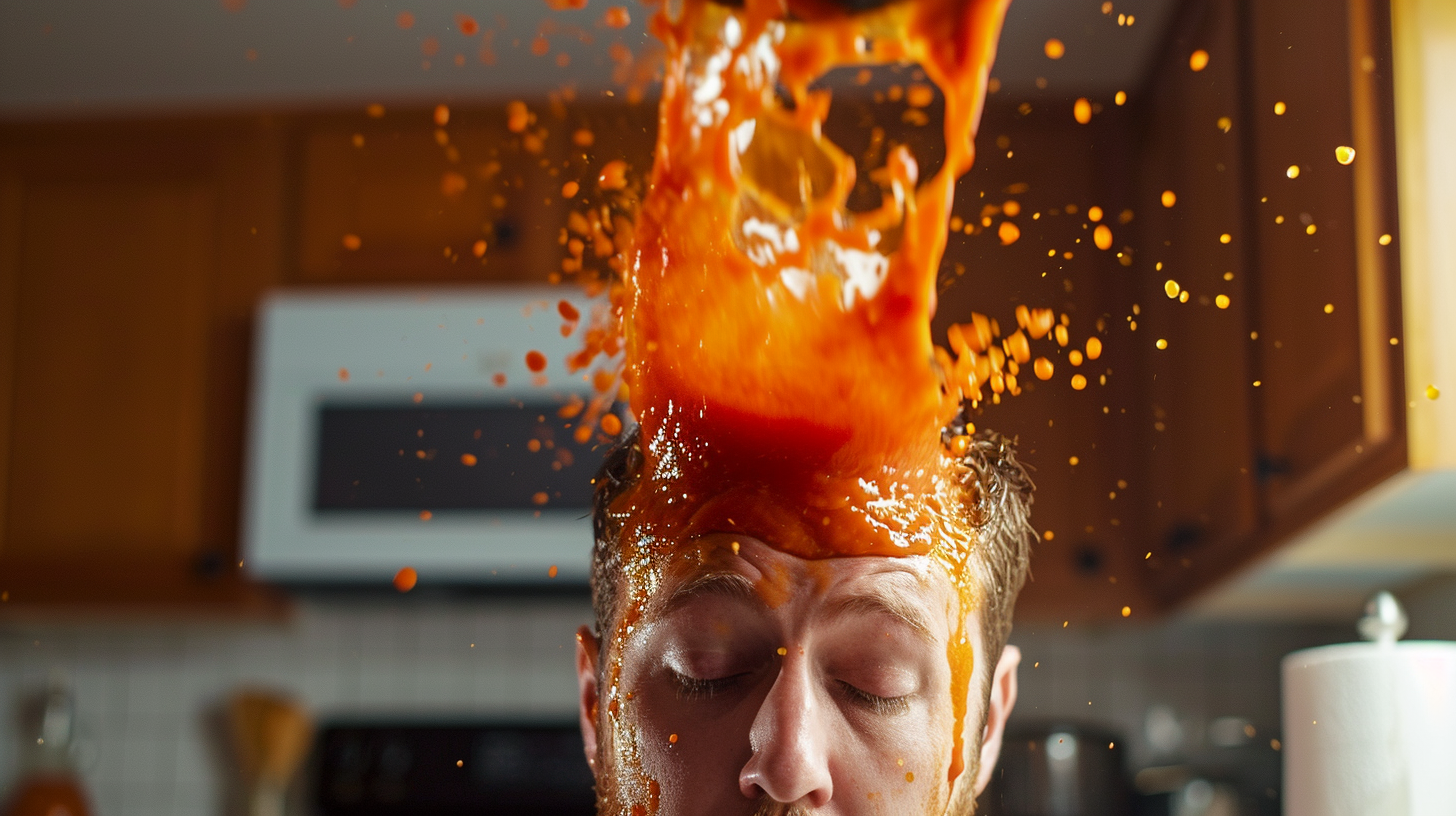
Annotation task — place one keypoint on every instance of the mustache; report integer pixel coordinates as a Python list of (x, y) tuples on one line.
[(768, 807)]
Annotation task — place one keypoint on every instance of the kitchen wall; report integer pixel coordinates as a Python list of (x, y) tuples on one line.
[(147, 694)]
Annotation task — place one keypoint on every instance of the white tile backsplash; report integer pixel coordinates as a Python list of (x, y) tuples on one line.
[(145, 692)]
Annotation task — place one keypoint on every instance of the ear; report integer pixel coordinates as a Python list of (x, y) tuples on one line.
[(998, 708), (587, 651)]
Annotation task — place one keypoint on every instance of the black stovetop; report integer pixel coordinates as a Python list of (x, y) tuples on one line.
[(428, 769)]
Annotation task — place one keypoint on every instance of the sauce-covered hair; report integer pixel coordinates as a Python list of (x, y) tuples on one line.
[(998, 496)]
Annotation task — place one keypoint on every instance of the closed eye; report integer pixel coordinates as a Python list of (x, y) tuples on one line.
[(886, 706), (695, 688)]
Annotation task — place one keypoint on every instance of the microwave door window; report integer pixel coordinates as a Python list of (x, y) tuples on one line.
[(496, 457)]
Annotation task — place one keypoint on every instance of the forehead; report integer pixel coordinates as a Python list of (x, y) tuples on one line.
[(746, 568)]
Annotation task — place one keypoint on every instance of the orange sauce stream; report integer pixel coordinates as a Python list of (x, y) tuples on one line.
[(778, 353)]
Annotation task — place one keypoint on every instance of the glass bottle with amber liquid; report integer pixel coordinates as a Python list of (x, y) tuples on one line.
[(51, 785)]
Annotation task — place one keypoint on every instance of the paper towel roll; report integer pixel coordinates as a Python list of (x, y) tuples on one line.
[(1370, 730)]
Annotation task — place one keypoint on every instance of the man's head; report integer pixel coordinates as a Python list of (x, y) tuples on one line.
[(753, 681)]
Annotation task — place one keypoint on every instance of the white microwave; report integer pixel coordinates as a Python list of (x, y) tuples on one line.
[(405, 429)]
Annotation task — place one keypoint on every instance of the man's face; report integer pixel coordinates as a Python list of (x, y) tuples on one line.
[(761, 681)]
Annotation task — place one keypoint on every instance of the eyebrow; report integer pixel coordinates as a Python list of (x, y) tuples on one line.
[(729, 584), (892, 604)]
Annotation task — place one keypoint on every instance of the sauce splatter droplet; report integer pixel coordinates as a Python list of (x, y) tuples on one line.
[(1055, 48), (1043, 368), (1008, 233), (1082, 110), (442, 115), (375, 111), (1225, 238), (518, 117), (1171, 288), (540, 497), (617, 17), (613, 175), (352, 243), (468, 459), (467, 25), (909, 776), (343, 375), (1293, 171), (405, 579), (1385, 239), (535, 361), (1222, 301), (551, 573), (479, 248), (1094, 348), (672, 738), (499, 379), (1198, 60), (426, 515), (1169, 198), (1344, 155), (1094, 214), (611, 424), (570, 189), (1078, 383), (1126, 612), (567, 311), (1280, 108), (1432, 392), (405, 20), (1102, 236), (1161, 344), (1329, 308), (1120, 99)]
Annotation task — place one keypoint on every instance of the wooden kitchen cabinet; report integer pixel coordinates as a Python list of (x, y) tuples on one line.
[(1288, 403), (132, 258)]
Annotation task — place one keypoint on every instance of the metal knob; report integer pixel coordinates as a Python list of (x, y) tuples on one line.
[(1384, 620)]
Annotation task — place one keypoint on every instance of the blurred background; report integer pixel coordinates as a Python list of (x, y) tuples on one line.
[(242, 240)]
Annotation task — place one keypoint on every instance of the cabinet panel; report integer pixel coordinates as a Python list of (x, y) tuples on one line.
[(131, 256), (1197, 424), (109, 356)]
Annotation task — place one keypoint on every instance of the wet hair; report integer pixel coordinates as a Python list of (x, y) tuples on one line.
[(998, 495)]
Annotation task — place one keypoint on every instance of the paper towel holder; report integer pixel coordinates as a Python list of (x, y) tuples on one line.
[(1384, 620)]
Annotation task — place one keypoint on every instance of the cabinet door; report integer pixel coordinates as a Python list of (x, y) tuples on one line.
[(1328, 358), (1289, 404), (109, 344), (118, 357)]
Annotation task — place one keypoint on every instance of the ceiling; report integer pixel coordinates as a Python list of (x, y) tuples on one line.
[(66, 58)]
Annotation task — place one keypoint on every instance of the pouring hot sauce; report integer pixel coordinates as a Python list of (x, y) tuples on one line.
[(778, 354)]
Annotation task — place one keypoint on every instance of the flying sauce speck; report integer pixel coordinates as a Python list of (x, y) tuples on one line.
[(617, 17)]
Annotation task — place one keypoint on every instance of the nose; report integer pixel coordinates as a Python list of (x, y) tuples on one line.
[(789, 738)]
